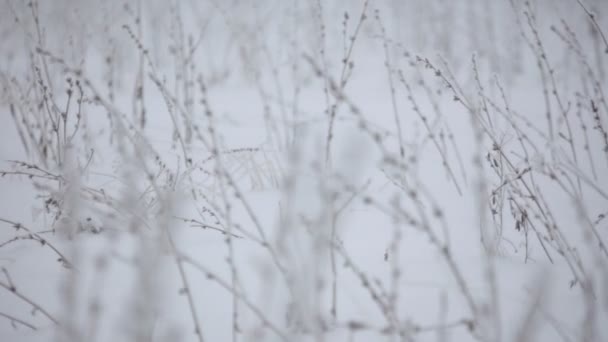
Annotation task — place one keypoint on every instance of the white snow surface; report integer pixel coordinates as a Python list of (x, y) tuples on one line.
[(416, 250)]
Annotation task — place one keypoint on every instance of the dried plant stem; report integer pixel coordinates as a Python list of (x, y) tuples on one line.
[(42, 240), (11, 288), (187, 288), (347, 66), (595, 23), (14, 319), (389, 70), (236, 293), (430, 132)]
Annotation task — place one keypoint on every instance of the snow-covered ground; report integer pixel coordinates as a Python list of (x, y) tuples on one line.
[(424, 170)]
